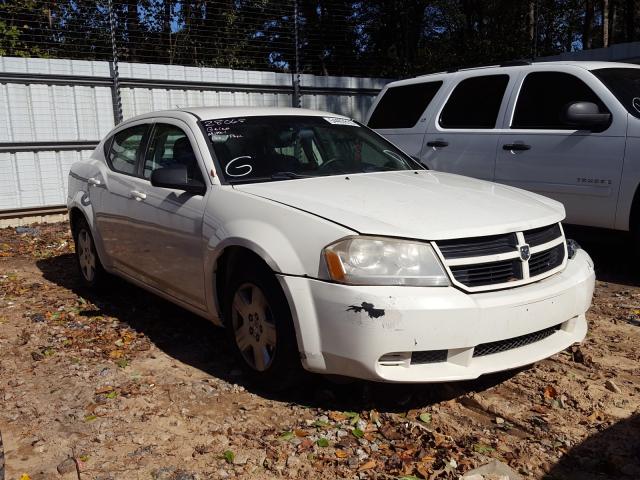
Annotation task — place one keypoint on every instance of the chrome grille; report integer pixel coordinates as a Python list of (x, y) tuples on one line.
[(515, 342), (506, 260)]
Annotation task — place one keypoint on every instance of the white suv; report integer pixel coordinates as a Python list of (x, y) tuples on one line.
[(317, 242), (567, 130)]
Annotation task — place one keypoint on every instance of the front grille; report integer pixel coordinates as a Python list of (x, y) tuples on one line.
[(538, 236), (469, 261), (516, 342), (475, 247), (481, 274), (428, 356), (547, 260)]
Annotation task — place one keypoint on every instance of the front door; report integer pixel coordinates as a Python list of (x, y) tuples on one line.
[(541, 153), (168, 222)]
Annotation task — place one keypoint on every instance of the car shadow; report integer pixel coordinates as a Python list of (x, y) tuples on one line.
[(610, 453), (200, 344), (612, 251)]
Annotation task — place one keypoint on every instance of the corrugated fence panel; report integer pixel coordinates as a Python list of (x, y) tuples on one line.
[(35, 179), (47, 101)]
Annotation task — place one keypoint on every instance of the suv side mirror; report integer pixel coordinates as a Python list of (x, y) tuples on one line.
[(175, 177), (585, 115)]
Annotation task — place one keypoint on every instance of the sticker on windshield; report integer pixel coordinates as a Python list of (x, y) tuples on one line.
[(636, 103), (341, 121)]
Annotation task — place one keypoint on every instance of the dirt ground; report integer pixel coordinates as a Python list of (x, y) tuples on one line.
[(122, 384)]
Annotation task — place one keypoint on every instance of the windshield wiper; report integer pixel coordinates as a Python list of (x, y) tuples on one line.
[(288, 175)]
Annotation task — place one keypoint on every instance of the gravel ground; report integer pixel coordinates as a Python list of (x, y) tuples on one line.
[(122, 384)]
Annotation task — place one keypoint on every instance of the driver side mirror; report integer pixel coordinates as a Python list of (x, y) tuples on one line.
[(586, 115), (175, 177)]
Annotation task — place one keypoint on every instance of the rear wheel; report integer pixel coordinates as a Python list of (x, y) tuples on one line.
[(260, 328), (91, 272)]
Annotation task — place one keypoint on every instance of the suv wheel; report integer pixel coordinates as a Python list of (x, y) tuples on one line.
[(260, 329)]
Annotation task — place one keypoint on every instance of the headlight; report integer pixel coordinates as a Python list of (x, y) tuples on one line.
[(384, 261), (572, 247)]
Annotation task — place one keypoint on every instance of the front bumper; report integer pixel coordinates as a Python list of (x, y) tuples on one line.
[(372, 332)]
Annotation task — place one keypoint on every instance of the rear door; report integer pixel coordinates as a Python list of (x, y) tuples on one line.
[(539, 152), (113, 196), (462, 136)]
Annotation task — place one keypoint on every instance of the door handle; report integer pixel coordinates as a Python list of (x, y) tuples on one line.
[(139, 196), (93, 181), (516, 146), (437, 144)]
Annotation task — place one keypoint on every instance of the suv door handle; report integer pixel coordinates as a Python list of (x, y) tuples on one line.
[(139, 196), (516, 146), (93, 181), (437, 144)]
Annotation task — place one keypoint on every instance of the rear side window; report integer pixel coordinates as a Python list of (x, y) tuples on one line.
[(125, 148), (475, 102), (545, 95), (401, 107)]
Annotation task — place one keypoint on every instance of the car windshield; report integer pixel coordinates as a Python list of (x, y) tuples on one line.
[(254, 149), (624, 83)]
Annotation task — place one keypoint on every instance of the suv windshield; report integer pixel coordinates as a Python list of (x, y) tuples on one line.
[(254, 149), (624, 83)]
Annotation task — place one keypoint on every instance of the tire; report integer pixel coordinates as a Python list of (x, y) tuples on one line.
[(92, 274), (260, 328)]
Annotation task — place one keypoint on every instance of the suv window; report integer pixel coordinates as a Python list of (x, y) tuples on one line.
[(125, 148), (625, 85), (401, 107), (544, 97), (170, 146), (475, 102)]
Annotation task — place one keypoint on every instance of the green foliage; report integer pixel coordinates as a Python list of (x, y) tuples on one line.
[(336, 37)]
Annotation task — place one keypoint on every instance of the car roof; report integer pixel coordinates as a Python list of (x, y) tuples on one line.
[(208, 113), (519, 66)]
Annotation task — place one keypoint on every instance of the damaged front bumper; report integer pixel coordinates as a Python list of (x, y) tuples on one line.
[(434, 334)]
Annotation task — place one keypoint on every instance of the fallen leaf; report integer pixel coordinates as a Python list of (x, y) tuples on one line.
[(425, 417), (341, 454), (550, 392), (367, 466), (229, 456), (322, 442), (286, 436), (357, 433)]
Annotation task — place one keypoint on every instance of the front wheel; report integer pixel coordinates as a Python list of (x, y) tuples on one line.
[(260, 328)]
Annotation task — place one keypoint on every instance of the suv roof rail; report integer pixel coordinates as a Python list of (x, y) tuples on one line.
[(508, 63), (515, 63)]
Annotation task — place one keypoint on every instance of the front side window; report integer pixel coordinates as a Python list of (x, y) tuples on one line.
[(125, 148), (624, 83), (544, 97), (401, 107), (475, 103), (170, 146), (251, 149)]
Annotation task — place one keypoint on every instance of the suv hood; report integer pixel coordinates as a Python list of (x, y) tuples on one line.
[(414, 204)]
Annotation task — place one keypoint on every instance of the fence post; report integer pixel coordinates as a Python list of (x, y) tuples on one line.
[(295, 75), (113, 69)]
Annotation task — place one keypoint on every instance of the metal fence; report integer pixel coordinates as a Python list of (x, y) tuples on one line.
[(53, 112)]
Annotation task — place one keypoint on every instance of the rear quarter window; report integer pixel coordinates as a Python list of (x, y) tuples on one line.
[(401, 107)]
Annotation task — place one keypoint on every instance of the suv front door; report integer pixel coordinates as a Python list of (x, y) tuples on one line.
[(541, 153)]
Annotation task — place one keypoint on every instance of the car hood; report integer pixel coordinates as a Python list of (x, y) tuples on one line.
[(414, 204)]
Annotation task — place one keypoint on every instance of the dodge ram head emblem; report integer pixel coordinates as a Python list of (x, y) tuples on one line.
[(525, 253)]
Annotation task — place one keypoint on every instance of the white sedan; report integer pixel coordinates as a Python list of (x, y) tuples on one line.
[(317, 243)]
